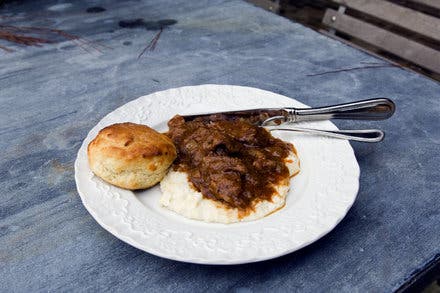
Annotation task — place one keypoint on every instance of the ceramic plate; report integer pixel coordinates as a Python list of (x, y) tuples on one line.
[(319, 197)]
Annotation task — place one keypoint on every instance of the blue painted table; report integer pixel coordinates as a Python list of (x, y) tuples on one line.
[(51, 96)]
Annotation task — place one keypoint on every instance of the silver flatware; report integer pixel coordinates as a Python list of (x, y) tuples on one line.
[(372, 109), (364, 135)]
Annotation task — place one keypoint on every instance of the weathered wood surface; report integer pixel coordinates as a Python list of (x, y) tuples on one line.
[(50, 97), (383, 39), (398, 15)]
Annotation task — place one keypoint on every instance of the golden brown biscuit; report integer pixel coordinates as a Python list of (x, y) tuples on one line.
[(130, 155)]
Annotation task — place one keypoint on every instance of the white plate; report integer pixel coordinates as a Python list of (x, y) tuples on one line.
[(319, 197)]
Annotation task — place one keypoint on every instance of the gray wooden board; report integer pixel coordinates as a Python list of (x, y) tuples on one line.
[(393, 43), (50, 97), (401, 16)]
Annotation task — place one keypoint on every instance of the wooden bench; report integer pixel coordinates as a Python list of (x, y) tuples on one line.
[(412, 26)]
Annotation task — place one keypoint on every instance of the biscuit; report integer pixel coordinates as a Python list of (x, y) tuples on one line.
[(131, 156)]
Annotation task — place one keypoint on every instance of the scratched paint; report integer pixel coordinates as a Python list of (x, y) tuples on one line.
[(95, 9), (60, 7), (148, 25)]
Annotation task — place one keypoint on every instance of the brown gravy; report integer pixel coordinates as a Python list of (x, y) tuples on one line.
[(233, 162)]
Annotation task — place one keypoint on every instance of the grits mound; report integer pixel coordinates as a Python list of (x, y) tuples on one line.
[(179, 196)]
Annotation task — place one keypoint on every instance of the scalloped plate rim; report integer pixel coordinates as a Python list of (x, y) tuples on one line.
[(218, 261)]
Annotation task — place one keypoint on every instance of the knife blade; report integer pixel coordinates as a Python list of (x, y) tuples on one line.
[(371, 109)]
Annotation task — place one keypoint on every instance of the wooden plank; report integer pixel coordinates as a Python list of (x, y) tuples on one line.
[(400, 46), (407, 18), (335, 37), (430, 3)]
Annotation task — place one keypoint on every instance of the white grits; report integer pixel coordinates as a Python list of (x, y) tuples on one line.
[(180, 197)]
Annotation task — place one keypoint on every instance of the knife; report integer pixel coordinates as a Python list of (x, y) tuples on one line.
[(371, 109)]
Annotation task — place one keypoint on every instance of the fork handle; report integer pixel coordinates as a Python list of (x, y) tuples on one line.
[(364, 135), (372, 109)]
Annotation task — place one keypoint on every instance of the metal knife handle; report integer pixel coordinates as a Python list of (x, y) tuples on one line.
[(372, 109)]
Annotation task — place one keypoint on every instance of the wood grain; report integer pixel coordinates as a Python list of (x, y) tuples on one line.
[(398, 45), (406, 18)]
